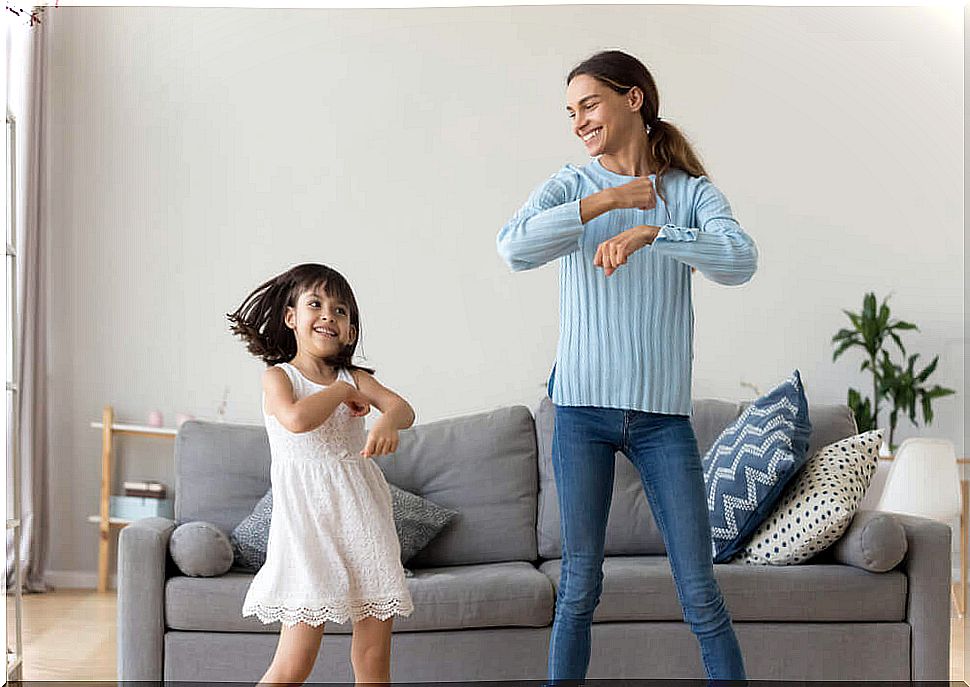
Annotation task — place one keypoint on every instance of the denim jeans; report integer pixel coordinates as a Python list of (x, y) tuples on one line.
[(664, 450)]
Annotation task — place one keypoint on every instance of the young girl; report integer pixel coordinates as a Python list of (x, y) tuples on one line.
[(332, 553)]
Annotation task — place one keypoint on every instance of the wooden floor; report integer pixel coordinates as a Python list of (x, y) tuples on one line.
[(70, 635)]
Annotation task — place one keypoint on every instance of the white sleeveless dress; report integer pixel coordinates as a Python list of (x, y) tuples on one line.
[(333, 553)]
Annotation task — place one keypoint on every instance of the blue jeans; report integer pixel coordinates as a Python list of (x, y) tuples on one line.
[(664, 450)]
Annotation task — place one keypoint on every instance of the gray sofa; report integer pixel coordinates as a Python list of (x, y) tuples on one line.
[(484, 589)]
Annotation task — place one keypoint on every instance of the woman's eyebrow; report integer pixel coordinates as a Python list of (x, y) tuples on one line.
[(584, 99)]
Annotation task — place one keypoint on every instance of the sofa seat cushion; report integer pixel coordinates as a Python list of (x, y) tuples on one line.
[(511, 594), (642, 588)]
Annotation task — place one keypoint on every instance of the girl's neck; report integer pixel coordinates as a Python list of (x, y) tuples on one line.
[(633, 159), (314, 368)]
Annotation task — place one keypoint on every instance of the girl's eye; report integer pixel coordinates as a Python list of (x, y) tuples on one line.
[(341, 311), (571, 115), (314, 304)]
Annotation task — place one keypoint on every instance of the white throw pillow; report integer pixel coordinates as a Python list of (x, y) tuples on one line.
[(818, 505)]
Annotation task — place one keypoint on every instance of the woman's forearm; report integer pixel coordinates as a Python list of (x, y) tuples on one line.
[(594, 205)]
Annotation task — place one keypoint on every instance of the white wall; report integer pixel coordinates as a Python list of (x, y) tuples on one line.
[(197, 152)]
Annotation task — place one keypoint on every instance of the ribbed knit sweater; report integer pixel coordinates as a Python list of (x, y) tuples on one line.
[(626, 341)]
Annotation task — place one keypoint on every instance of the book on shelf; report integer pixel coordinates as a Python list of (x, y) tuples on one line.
[(150, 489)]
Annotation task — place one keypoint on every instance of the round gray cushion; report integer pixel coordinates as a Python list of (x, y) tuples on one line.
[(200, 549), (875, 541)]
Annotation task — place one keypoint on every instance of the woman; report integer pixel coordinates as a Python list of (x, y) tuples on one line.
[(630, 226)]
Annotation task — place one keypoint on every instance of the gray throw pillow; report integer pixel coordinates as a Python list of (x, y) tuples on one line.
[(875, 541), (200, 549), (249, 537), (416, 519)]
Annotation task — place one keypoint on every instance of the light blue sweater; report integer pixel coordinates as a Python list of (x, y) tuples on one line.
[(626, 341)]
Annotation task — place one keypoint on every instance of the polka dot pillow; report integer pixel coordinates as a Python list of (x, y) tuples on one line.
[(818, 505)]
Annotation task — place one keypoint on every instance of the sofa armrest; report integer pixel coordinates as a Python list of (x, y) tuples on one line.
[(927, 567), (142, 563)]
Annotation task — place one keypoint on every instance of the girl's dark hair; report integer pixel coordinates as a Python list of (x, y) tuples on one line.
[(621, 72), (259, 321)]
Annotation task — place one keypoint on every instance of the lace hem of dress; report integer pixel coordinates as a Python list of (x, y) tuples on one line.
[(337, 612)]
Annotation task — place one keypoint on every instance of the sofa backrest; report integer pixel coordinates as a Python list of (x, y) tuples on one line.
[(483, 466), (631, 529), (221, 471)]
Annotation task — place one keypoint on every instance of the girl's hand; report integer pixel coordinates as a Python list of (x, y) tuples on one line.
[(638, 193), (614, 251), (381, 440), (358, 403), (358, 409)]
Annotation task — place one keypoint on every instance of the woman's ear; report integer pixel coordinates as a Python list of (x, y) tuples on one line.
[(289, 318), (635, 98)]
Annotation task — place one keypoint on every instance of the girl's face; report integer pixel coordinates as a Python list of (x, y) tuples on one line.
[(603, 119), (321, 323)]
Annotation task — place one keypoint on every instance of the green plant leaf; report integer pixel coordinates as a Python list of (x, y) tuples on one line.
[(899, 343), (842, 348), (855, 319), (927, 410), (939, 392), (869, 306), (928, 370), (883, 318)]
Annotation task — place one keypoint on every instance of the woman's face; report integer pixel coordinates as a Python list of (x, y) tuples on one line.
[(603, 119)]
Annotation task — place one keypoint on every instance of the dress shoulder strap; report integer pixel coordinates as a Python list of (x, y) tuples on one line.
[(346, 375), (296, 379)]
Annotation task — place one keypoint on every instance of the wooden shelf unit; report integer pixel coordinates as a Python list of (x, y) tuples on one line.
[(109, 428)]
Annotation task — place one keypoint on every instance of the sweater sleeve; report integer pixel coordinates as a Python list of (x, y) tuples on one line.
[(718, 246), (547, 227)]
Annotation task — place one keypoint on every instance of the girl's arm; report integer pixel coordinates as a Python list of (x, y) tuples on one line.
[(307, 413), (396, 413), (718, 246)]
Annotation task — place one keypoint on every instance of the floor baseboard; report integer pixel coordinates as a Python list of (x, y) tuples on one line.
[(75, 579)]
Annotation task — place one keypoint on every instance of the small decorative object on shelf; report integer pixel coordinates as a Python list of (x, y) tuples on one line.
[(149, 489), (137, 507), (155, 419)]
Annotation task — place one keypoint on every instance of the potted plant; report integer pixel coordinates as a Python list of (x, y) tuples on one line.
[(901, 387)]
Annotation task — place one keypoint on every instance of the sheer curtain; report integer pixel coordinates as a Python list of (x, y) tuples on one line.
[(26, 68)]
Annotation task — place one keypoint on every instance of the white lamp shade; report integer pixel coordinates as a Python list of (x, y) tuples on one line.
[(924, 480)]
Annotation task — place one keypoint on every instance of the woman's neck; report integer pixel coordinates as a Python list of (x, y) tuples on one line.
[(633, 159), (314, 368)]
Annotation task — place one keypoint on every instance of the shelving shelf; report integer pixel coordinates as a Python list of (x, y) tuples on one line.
[(109, 429)]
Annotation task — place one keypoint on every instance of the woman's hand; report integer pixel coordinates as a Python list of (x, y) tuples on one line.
[(614, 251), (381, 440), (639, 193)]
